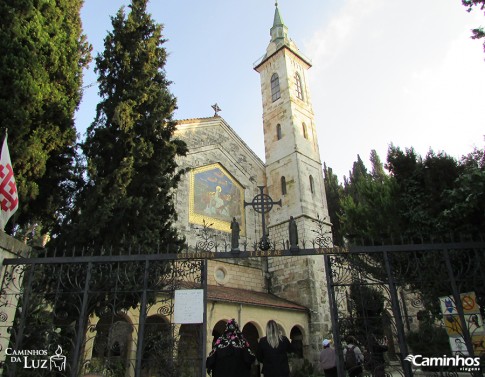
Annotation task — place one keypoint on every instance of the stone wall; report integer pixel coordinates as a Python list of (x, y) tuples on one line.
[(236, 276), (301, 279)]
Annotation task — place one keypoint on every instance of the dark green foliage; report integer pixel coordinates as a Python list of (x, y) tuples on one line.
[(465, 201), (126, 201), (42, 331), (367, 314), (43, 54), (429, 340), (368, 204), (421, 184), (334, 194), (479, 32), (132, 174), (420, 198)]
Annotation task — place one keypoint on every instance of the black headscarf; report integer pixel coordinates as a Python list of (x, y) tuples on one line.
[(231, 336)]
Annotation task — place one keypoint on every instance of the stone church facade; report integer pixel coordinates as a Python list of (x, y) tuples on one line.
[(224, 172)]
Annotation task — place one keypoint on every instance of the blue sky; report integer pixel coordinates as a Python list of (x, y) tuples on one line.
[(383, 71)]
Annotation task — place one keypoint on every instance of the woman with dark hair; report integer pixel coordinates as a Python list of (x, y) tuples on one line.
[(273, 352), (231, 355)]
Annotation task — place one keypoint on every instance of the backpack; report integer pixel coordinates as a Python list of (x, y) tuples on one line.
[(351, 361)]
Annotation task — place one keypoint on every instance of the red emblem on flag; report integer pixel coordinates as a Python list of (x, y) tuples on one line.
[(8, 188), (9, 201)]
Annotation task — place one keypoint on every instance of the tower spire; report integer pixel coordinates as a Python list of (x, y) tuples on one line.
[(279, 30)]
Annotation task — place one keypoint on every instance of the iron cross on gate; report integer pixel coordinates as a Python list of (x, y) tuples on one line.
[(262, 204)]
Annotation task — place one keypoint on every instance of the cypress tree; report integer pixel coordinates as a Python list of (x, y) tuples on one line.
[(132, 173), (43, 54)]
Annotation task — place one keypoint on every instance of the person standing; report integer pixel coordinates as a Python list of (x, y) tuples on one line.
[(231, 355), (328, 360), (353, 357), (273, 352)]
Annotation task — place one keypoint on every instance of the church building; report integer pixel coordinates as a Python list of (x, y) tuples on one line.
[(224, 173)]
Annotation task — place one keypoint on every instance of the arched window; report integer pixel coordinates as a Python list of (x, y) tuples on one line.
[(278, 131), (275, 87), (283, 186), (296, 337), (305, 132), (299, 87), (312, 185)]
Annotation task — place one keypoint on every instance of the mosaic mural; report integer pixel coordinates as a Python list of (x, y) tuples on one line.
[(216, 197)]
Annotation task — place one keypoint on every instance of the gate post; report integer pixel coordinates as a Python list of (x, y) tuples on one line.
[(141, 323), (403, 347), (81, 333), (334, 317), (204, 319)]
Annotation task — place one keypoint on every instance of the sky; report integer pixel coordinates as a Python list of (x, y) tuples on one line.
[(384, 72)]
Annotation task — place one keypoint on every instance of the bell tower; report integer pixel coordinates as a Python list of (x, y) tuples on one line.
[(293, 167), (294, 174)]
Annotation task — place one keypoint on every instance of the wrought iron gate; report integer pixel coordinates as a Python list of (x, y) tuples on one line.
[(420, 299), (72, 316)]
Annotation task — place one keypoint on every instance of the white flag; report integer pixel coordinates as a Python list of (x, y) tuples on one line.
[(9, 201)]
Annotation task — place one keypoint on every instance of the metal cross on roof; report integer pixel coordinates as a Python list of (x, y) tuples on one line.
[(262, 204), (216, 109)]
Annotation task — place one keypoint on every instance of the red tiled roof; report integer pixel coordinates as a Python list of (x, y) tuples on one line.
[(218, 293)]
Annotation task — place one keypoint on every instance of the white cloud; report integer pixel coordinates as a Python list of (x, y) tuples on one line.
[(406, 73)]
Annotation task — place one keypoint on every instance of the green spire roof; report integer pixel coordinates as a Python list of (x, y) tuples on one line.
[(277, 17), (279, 30)]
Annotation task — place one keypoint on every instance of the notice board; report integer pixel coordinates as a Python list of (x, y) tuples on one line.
[(189, 306)]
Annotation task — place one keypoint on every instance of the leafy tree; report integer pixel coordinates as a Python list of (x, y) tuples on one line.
[(465, 201), (358, 173), (131, 172), (429, 340), (479, 32), (377, 173), (421, 197), (127, 196), (368, 206), (367, 315), (43, 54), (420, 187), (334, 193)]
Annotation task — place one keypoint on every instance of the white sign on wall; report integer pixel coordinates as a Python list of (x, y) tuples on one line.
[(189, 306)]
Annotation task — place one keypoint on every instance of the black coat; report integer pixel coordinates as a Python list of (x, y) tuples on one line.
[(230, 361), (274, 360)]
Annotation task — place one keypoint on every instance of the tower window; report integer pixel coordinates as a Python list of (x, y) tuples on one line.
[(275, 87), (283, 186), (312, 184), (278, 131), (299, 87), (305, 132)]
